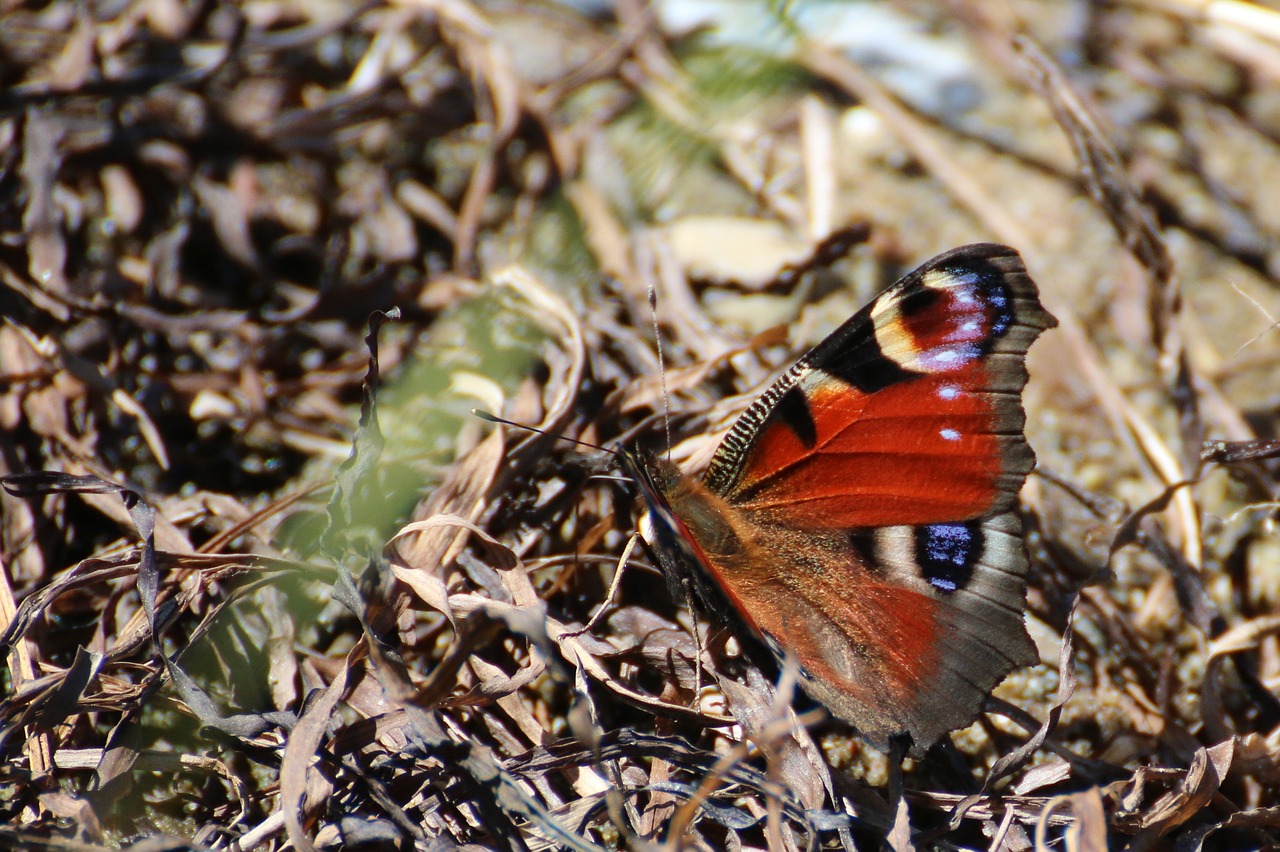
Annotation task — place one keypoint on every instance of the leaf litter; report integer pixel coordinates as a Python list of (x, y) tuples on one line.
[(218, 634)]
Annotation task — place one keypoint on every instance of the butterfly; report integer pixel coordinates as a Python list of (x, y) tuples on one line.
[(860, 515)]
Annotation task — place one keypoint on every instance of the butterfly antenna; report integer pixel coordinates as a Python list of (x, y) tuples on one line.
[(662, 369), (493, 418)]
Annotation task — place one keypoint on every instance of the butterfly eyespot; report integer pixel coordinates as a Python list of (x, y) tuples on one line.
[(947, 553), (949, 435)]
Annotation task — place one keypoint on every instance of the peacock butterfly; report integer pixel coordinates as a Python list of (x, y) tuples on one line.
[(860, 515)]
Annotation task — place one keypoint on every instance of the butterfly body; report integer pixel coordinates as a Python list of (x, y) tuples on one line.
[(859, 515)]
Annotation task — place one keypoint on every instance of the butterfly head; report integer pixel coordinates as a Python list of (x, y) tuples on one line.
[(653, 475)]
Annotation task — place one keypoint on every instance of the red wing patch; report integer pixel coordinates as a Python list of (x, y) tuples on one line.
[(915, 453)]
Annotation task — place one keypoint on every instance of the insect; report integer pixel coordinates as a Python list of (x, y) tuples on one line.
[(860, 514)]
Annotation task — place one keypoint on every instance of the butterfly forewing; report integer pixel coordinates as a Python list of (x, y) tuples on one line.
[(909, 413)]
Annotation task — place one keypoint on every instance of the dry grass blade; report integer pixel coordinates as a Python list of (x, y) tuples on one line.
[(1235, 452), (1106, 178), (297, 794)]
